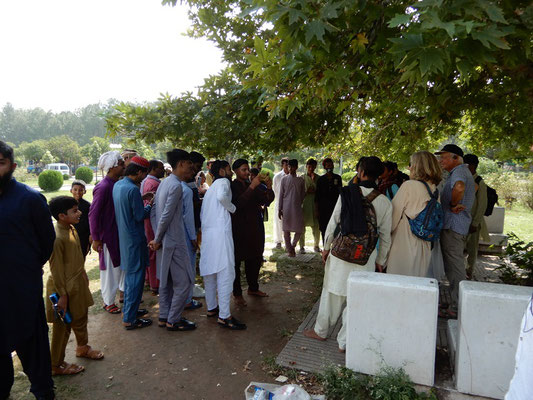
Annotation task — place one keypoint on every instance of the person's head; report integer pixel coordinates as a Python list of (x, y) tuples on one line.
[(137, 169), (65, 210), (197, 161), (127, 155), (241, 169), (285, 165), (227, 168), (78, 189), (254, 172), (389, 168), (7, 164), (218, 169), (310, 165), (181, 164), (209, 163), (370, 168), (424, 166), (293, 166), (472, 161), (202, 177), (450, 156), (112, 164), (156, 168), (328, 165)]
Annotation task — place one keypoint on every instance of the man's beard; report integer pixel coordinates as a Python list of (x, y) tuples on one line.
[(5, 179)]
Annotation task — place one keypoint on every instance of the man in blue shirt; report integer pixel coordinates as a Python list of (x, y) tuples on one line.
[(457, 199), (26, 242), (130, 214)]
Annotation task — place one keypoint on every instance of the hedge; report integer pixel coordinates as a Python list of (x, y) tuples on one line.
[(85, 174), (50, 181)]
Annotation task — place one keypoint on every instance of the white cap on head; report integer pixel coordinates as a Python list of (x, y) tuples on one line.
[(109, 160)]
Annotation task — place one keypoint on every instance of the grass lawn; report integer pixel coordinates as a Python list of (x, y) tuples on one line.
[(519, 220)]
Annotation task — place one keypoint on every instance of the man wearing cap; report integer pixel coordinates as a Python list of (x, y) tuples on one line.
[(248, 227), (478, 227), (130, 214), (127, 155), (457, 200), (104, 232), (291, 198), (276, 183)]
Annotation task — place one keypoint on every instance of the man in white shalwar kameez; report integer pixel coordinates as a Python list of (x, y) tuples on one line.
[(217, 260), (334, 290), (276, 185)]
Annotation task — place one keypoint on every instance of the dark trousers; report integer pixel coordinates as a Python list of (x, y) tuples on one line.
[(133, 293), (251, 268), (34, 354)]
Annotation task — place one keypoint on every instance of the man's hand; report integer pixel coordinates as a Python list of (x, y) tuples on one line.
[(62, 304), (154, 246), (148, 196), (325, 254), (457, 209), (194, 244), (255, 182), (472, 229), (268, 182), (280, 214), (379, 267), (97, 245)]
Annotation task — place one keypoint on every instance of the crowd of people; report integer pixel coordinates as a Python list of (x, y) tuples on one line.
[(150, 222)]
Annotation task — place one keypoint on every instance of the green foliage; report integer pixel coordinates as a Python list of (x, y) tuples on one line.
[(487, 166), (371, 77), (347, 176), (268, 171), (48, 158), (516, 265), (389, 384), (507, 185), (85, 174), (50, 181), (94, 149), (64, 149), (528, 193), (66, 177)]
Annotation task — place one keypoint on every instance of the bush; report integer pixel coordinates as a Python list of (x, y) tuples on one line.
[(85, 174), (528, 193), (487, 166), (50, 181), (269, 165), (66, 177), (516, 264), (507, 185), (347, 176)]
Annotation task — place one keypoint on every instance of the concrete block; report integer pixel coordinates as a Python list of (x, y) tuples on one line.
[(451, 331), (489, 321), (392, 321), (495, 220), (494, 245)]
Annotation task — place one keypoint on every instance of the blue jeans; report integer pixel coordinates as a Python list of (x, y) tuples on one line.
[(133, 293)]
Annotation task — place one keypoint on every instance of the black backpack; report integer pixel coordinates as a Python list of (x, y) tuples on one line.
[(492, 197)]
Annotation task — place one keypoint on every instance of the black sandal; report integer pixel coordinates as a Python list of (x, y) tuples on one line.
[(231, 323), (139, 323), (212, 313), (162, 323), (183, 325)]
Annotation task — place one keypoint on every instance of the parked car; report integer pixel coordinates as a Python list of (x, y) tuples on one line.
[(63, 168), (34, 169)]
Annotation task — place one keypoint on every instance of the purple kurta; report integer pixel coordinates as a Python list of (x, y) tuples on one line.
[(291, 198), (102, 220)]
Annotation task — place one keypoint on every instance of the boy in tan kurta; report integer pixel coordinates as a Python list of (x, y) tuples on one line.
[(69, 280)]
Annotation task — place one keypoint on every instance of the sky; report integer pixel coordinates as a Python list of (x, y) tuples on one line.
[(62, 55)]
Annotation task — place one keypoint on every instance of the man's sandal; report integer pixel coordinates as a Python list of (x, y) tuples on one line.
[(231, 323), (88, 352), (183, 325), (193, 305), (257, 293), (67, 369), (162, 323), (112, 309), (213, 312), (138, 323)]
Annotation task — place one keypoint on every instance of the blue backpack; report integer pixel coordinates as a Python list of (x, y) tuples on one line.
[(428, 224)]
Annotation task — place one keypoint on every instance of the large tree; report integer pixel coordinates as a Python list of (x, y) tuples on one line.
[(376, 76)]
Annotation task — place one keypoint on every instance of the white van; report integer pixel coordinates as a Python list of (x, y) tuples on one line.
[(63, 168)]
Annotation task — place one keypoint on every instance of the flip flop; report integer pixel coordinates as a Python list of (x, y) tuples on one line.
[(90, 353), (231, 323), (112, 309), (212, 313), (67, 369), (162, 322)]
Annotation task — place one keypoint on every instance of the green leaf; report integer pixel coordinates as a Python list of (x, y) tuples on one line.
[(430, 61), (295, 16), (329, 11), (494, 12), (491, 35), (399, 19), (315, 29)]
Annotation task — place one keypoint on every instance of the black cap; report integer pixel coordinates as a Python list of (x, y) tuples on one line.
[(451, 148), (471, 159)]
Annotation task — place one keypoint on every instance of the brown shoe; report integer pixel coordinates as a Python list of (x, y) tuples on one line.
[(257, 293), (67, 369), (239, 300)]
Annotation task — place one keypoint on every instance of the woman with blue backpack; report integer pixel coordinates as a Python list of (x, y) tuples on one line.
[(416, 217)]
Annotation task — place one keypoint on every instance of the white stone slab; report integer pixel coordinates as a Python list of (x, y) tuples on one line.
[(452, 333), (392, 321), (496, 220), (488, 325)]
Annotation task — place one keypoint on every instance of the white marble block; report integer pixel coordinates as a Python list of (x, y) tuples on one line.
[(392, 321), (496, 220), (489, 321)]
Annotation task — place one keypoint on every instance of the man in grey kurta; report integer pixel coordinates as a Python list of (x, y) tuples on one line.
[(291, 198), (173, 261)]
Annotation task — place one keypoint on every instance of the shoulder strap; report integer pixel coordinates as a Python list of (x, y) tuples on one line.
[(427, 187), (478, 179), (389, 190), (372, 195)]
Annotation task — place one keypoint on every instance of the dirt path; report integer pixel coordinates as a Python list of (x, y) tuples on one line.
[(208, 363)]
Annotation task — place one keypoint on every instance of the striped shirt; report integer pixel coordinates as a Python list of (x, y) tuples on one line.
[(459, 223)]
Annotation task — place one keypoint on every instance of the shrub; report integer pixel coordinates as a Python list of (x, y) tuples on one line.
[(269, 165), (517, 262), (66, 177), (85, 174), (347, 176), (50, 181), (487, 166), (528, 193), (507, 185)]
